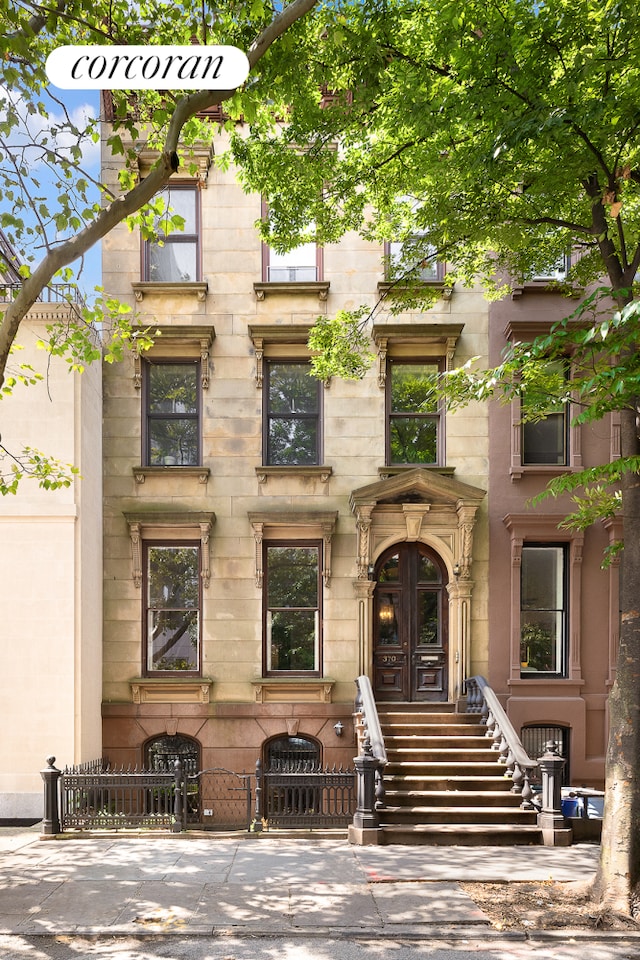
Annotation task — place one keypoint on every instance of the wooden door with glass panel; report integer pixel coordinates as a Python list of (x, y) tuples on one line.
[(410, 642)]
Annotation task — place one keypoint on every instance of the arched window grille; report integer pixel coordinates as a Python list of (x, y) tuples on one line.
[(534, 738), (291, 753), (161, 753)]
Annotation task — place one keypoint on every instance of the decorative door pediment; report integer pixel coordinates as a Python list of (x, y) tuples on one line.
[(417, 505)]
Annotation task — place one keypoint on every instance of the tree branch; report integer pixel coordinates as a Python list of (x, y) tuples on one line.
[(122, 207)]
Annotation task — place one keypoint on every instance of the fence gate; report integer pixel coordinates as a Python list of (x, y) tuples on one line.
[(218, 799)]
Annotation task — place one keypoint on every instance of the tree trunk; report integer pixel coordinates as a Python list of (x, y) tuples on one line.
[(618, 880)]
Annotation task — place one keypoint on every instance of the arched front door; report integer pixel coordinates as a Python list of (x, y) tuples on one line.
[(410, 624)]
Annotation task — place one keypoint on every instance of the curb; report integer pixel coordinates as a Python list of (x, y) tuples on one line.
[(467, 935)]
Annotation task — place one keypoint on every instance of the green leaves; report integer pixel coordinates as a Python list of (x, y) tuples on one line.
[(32, 464), (54, 207), (340, 346)]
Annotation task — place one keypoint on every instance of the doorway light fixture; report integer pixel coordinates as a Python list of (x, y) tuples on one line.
[(386, 612)]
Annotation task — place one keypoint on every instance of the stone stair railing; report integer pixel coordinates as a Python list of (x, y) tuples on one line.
[(482, 699)]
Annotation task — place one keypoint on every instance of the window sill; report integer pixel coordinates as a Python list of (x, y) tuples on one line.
[(540, 470), (293, 689), (173, 689), (141, 473), (318, 287), (263, 473), (170, 288), (562, 685), (546, 286), (393, 471), (387, 287)]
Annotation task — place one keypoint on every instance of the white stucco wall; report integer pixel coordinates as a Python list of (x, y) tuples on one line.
[(50, 583)]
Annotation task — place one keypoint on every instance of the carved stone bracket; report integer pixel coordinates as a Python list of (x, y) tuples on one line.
[(179, 342), (450, 350), (428, 339), (322, 472), (327, 534), (259, 349), (205, 343), (174, 690), (276, 340), (363, 527), (382, 361), (200, 154), (196, 526), (141, 473), (293, 690), (197, 288), (136, 552), (205, 530), (466, 521), (318, 288), (267, 524), (258, 532)]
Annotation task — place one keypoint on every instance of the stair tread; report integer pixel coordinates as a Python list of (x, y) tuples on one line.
[(439, 751), (442, 768), (440, 809), (449, 794), (479, 828), (456, 765)]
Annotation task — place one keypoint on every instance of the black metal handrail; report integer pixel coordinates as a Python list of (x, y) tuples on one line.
[(482, 699), (52, 293)]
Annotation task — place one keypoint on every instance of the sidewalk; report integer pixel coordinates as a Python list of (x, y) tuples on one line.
[(264, 884)]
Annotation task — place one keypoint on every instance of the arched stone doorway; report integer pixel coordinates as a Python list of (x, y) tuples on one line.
[(410, 625), (420, 514)]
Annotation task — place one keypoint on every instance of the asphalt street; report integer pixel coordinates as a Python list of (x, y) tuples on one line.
[(308, 948)]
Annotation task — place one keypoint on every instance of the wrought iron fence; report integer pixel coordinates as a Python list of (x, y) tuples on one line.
[(304, 796), (95, 796)]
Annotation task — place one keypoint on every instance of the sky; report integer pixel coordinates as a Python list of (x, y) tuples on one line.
[(79, 102), (80, 105)]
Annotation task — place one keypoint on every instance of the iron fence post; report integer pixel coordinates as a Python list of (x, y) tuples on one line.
[(247, 784), (178, 805), (365, 828), (51, 820), (555, 832), (257, 823)]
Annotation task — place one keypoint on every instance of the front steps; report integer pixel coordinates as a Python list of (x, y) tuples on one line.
[(444, 783)]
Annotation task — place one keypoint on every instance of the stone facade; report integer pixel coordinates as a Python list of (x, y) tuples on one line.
[(466, 518), (233, 503)]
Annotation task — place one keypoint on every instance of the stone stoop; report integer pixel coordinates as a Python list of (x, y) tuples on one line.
[(444, 783)]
